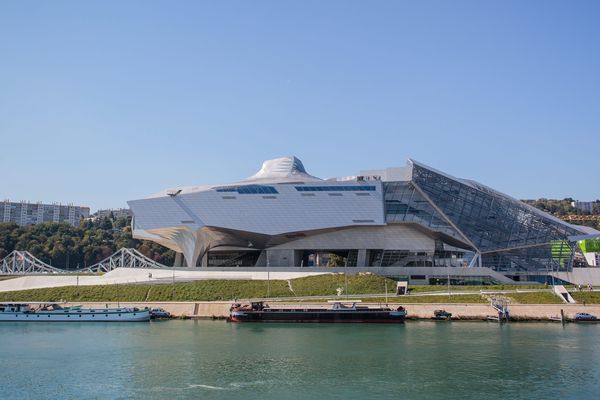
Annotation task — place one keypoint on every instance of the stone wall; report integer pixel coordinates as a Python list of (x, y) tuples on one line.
[(207, 309)]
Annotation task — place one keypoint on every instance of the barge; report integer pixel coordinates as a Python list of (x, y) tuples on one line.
[(337, 312), (55, 313)]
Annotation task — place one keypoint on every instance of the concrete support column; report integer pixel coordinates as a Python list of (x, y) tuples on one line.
[(361, 260), (280, 258), (178, 259), (204, 260)]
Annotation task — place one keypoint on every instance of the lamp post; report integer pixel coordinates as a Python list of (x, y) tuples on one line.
[(346, 278), (268, 278), (173, 295)]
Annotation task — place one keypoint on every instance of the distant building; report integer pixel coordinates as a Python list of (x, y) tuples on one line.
[(26, 213), (585, 206), (116, 212)]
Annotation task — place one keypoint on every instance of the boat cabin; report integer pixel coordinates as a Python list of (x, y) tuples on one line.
[(14, 308), (338, 305), (258, 306)]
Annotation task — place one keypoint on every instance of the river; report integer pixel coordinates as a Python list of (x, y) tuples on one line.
[(218, 360)]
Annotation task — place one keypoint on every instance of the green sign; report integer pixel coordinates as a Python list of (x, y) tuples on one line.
[(590, 245)]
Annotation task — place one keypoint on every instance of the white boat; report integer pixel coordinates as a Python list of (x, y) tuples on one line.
[(56, 313)]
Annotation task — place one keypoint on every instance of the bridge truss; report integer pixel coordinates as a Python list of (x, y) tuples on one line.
[(24, 263), (124, 258)]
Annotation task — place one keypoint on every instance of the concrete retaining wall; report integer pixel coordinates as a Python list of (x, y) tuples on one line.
[(220, 309)]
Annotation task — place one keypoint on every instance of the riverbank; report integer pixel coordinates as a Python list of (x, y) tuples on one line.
[(518, 312)]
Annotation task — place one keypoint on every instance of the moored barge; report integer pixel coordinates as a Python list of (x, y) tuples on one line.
[(338, 312), (55, 313)]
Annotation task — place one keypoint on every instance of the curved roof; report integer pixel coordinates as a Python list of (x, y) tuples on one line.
[(278, 170), (282, 169)]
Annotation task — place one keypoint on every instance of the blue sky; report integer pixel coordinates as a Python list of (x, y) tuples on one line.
[(104, 102)]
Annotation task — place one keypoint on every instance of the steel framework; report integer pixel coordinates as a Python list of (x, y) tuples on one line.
[(24, 263), (124, 258)]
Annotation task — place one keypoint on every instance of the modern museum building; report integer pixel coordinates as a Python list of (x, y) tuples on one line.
[(410, 222)]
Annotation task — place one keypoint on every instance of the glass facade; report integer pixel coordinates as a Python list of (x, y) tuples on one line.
[(403, 203), (508, 234)]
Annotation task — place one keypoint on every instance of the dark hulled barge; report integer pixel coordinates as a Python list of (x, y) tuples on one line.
[(338, 312)]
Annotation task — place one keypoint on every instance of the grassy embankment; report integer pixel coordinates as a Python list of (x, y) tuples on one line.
[(208, 290), (323, 285), (586, 297), (513, 298), (443, 288), (438, 299)]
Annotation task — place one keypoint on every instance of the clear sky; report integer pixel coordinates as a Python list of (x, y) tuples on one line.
[(104, 102)]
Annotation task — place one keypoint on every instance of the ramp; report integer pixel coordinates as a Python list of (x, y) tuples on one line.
[(561, 292)]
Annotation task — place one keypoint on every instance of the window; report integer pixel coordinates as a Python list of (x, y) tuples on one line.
[(354, 188), (249, 189)]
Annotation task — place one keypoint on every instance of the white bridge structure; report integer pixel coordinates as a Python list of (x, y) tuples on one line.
[(24, 263)]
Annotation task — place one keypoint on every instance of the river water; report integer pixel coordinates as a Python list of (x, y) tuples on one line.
[(219, 360)]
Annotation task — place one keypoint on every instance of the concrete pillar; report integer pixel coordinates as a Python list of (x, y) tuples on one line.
[(204, 260), (361, 260), (280, 258), (178, 259)]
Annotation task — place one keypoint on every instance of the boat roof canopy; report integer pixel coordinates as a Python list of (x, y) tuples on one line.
[(345, 301)]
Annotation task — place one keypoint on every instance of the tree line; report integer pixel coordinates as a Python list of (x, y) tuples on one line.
[(69, 247), (560, 208)]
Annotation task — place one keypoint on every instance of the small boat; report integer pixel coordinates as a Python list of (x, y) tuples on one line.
[(56, 313), (338, 312), (441, 315), (159, 313)]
